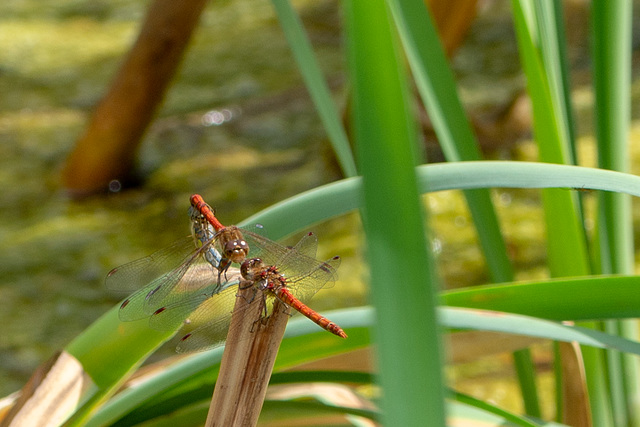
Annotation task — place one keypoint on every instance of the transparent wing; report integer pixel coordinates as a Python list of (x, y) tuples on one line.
[(321, 275), (307, 245), (273, 253), (182, 310), (195, 274), (205, 319), (179, 285), (136, 274), (290, 259), (208, 326), (305, 274)]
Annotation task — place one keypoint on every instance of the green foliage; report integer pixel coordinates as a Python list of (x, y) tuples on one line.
[(401, 322)]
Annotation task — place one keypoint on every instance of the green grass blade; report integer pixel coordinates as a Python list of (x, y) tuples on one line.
[(195, 375), (566, 240), (563, 84), (437, 88), (565, 234), (581, 298), (466, 414), (510, 417), (318, 89), (550, 47), (611, 27), (284, 408), (109, 352), (190, 380), (473, 319), (434, 80), (386, 137), (133, 339)]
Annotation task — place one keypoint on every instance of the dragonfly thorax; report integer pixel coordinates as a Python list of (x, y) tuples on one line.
[(233, 244), (251, 269)]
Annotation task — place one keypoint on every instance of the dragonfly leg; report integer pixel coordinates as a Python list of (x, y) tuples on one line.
[(224, 265), (285, 309), (265, 313), (245, 284), (253, 295)]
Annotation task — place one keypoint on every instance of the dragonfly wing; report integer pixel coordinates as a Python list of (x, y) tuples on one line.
[(133, 307), (173, 316), (306, 275), (261, 247), (145, 301), (273, 253), (207, 326), (210, 333), (289, 259), (307, 245), (136, 274), (194, 276), (195, 288), (305, 249), (322, 275)]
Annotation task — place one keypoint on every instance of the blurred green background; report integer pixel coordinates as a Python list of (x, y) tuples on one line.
[(58, 58)]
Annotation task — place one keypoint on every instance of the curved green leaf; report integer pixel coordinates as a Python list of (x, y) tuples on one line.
[(110, 350), (191, 379), (582, 298), (328, 201)]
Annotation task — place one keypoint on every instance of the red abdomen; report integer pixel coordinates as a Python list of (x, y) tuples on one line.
[(286, 297), (201, 206)]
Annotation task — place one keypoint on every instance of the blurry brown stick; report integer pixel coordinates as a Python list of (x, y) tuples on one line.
[(453, 20), (247, 362), (107, 149), (576, 408)]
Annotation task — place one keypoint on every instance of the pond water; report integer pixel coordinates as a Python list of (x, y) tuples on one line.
[(56, 61)]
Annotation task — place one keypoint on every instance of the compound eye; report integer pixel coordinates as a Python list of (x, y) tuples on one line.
[(236, 250), (250, 268)]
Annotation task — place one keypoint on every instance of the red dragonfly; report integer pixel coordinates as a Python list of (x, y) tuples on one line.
[(293, 280), (182, 273), (269, 279), (231, 239), (193, 293)]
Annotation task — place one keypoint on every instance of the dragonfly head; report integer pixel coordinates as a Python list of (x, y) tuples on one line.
[(251, 268), (236, 250), (232, 244)]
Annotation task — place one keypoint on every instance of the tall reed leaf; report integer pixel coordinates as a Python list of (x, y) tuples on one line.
[(564, 232), (406, 333), (437, 88), (320, 94), (611, 35), (567, 252)]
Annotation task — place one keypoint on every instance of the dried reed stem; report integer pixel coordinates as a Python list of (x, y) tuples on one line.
[(247, 362)]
